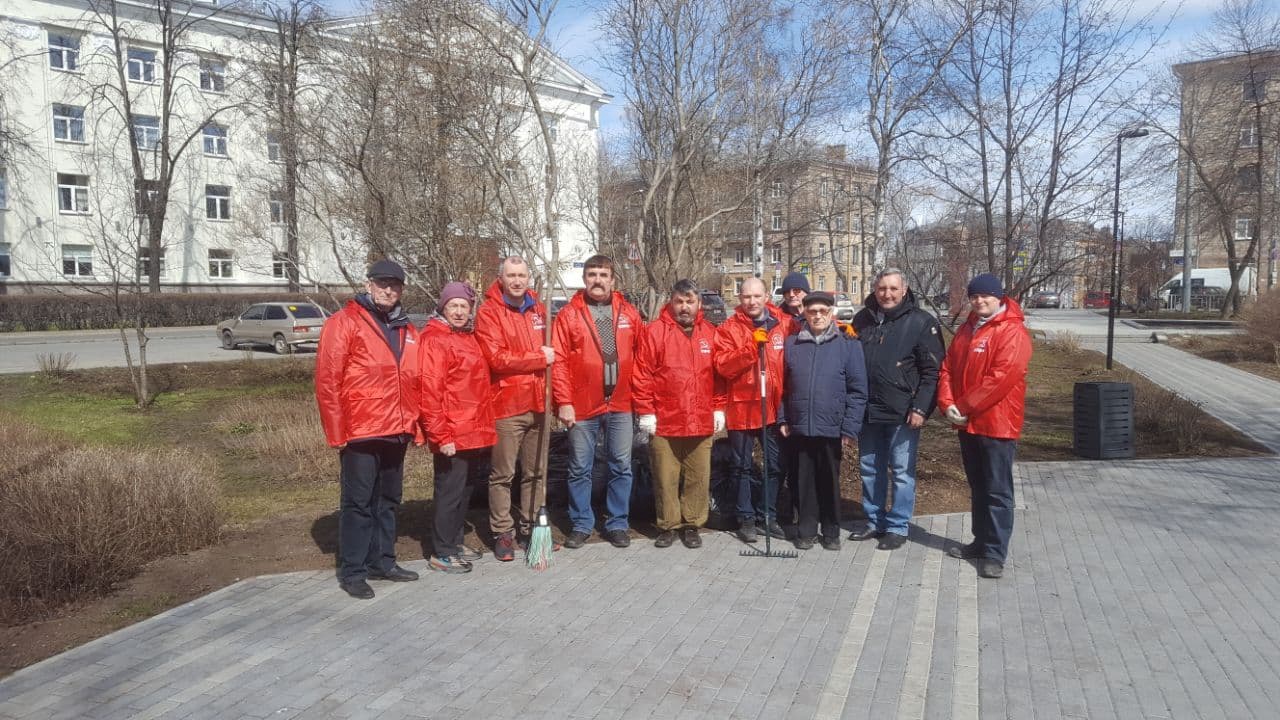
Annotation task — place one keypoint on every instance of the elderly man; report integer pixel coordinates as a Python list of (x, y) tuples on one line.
[(755, 324), (982, 389), (367, 378), (595, 337), (510, 326), (903, 348), (794, 287), (679, 399)]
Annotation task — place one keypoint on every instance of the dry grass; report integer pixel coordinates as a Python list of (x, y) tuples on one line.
[(1262, 322), (78, 520), (56, 365), (1064, 341)]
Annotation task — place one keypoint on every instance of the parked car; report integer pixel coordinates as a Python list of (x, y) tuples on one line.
[(556, 305), (1097, 299), (845, 309), (282, 325), (1046, 299), (713, 308)]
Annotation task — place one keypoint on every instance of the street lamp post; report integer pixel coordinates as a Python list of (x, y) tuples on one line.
[(1115, 245)]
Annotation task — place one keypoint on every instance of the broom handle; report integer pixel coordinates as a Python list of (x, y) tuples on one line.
[(544, 447), (764, 443)]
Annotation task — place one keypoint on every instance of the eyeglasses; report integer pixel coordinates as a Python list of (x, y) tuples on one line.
[(817, 311)]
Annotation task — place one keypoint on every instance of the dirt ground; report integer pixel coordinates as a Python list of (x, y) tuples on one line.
[(1229, 350), (298, 530)]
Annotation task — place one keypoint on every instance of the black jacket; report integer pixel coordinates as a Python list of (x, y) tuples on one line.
[(904, 351)]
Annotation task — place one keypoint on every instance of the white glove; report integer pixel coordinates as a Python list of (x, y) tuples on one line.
[(648, 424), (718, 420), (953, 414)]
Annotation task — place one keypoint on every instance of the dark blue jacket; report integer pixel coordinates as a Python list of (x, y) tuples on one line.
[(826, 385)]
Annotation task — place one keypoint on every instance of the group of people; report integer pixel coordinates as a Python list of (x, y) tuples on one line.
[(471, 385)]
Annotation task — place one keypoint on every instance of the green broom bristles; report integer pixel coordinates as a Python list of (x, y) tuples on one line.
[(541, 547)]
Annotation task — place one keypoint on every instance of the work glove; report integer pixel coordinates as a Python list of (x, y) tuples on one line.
[(648, 424), (953, 415), (761, 336), (718, 419)]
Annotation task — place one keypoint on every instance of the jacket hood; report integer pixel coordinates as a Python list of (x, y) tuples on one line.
[(396, 317), (907, 305), (1012, 311), (495, 293)]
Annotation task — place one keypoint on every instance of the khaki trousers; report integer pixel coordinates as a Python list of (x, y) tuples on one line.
[(681, 504), (518, 436)]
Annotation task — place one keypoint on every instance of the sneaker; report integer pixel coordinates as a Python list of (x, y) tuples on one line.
[(452, 565), (665, 539), (504, 548), (576, 539), (775, 530), (830, 543), (358, 589), (891, 541), (972, 551), (618, 538), (395, 574), (469, 554), (989, 568), (865, 532), (747, 531), (803, 543), (691, 538)]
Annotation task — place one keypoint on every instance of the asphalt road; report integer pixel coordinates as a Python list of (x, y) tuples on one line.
[(20, 352)]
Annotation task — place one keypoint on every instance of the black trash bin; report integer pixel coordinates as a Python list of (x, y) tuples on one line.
[(1103, 420)]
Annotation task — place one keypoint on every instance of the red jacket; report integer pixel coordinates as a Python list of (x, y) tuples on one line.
[(577, 377), (456, 403), (985, 373), (738, 362), (675, 379), (361, 390), (512, 341)]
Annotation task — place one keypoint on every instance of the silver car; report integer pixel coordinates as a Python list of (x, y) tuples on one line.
[(282, 325), (845, 309)]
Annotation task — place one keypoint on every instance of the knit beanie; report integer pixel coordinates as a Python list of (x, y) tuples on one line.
[(452, 291), (985, 284), (795, 280)]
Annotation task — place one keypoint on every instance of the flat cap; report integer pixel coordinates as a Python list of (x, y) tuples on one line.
[(386, 269), (819, 296)]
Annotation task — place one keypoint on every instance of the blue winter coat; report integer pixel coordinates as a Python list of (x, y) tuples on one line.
[(826, 385)]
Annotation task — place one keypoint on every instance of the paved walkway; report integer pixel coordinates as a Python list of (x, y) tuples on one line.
[(1139, 589)]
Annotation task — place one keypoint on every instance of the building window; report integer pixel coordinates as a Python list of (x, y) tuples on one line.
[(144, 262), (6, 268), (73, 193), (77, 260), (4, 189), (275, 202), (215, 140), (1248, 134), (213, 76), (776, 255), (740, 255), (64, 52), (839, 222), (775, 189), (824, 188), (737, 285), (717, 256), (839, 187), (142, 65), (776, 223), (146, 131), (553, 128), (1247, 178), (68, 123), (273, 147), (279, 261), (217, 202), (1244, 228), (1254, 90), (145, 195), (220, 263)]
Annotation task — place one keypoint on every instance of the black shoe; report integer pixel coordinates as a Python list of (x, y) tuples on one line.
[(865, 532), (972, 551), (395, 574), (747, 531), (804, 543), (989, 568), (775, 530), (690, 537), (830, 543), (665, 539), (576, 539), (618, 538), (358, 589), (891, 541)]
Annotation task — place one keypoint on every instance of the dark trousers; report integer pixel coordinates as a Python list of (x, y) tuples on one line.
[(815, 475), (988, 465), (452, 489), (372, 482), (753, 503)]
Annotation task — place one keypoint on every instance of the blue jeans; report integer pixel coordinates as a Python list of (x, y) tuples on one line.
[(752, 503), (583, 437), (881, 448)]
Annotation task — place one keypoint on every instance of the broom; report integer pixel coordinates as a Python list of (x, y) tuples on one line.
[(538, 554)]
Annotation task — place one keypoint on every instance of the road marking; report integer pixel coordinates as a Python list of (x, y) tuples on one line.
[(835, 693), (915, 682)]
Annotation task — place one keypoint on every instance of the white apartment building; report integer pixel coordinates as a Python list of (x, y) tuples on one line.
[(68, 199)]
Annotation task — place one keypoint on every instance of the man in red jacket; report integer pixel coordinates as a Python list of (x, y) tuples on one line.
[(982, 388), (367, 384), (510, 326), (754, 324), (595, 337), (680, 402)]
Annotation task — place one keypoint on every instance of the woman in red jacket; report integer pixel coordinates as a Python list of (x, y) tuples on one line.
[(982, 388), (457, 418)]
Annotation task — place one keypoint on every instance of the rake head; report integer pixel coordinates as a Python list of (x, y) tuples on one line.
[(770, 552)]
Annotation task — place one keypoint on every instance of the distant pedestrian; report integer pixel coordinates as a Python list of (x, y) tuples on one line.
[(680, 401), (982, 389), (903, 348), (595, 337), (457, 417), (822, 410), (510, 326), (367, 386)]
